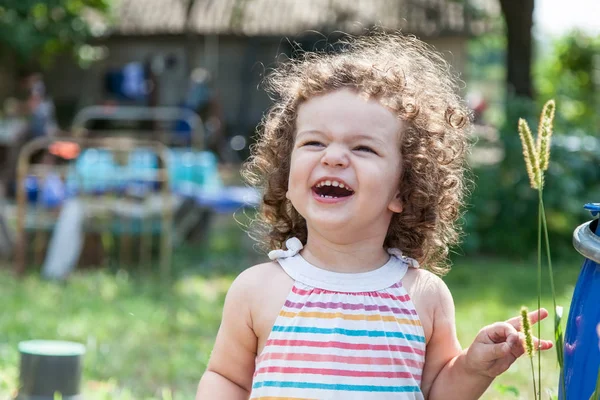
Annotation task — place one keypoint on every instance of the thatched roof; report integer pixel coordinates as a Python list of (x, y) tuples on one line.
[(427, 18)]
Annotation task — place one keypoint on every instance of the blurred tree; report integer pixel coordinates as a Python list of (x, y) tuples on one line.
[(502, 207), (518, 22), (518, 16), (570, 73), (36, 30)]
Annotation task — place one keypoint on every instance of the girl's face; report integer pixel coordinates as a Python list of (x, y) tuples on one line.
[(345, 165)]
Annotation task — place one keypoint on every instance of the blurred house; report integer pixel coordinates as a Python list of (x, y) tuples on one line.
[(237, 41)]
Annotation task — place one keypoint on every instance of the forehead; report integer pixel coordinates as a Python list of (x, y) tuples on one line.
[(345, 111)]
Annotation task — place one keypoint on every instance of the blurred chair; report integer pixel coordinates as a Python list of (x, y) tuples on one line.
[(112, 193), (155, 123)]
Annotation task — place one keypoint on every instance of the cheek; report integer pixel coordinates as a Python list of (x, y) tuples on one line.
[(299, 167), (294, 178), (396, 174)]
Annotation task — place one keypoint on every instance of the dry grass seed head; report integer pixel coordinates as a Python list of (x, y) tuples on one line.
[(529, 154), (545, 134), (526, 324)]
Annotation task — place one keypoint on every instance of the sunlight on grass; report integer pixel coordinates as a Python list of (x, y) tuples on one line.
[(140, 337)]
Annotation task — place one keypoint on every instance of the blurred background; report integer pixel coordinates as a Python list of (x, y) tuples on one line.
[(124, 124)]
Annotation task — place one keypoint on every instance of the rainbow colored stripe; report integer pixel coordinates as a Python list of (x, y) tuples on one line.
[(327, 344)]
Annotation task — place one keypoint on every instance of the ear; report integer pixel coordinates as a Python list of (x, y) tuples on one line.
[(396, 204)]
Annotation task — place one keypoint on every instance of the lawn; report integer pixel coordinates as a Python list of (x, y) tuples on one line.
[(150, 339)]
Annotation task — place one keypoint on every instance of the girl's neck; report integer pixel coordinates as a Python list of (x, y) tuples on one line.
[(356, 256)]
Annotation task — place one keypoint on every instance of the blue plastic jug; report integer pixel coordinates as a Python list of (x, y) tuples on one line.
[(581, 351)]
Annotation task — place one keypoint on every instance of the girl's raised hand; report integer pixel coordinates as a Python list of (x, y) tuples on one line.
[(498, 345)]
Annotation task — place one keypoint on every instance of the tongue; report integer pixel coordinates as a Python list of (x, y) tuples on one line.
[(333, 191)]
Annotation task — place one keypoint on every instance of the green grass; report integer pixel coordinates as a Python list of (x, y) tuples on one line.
[(148, 339)]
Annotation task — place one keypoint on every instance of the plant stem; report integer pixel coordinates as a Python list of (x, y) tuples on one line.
[(559, 343), (539, 325), (535, 396), (548, 252)]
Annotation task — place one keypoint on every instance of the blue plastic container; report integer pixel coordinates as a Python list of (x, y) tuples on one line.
[(581, 351)]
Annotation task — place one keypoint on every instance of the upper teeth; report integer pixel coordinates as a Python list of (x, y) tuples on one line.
[(332, 183)]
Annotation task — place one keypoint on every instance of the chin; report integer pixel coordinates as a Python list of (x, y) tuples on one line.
[(330, 224)]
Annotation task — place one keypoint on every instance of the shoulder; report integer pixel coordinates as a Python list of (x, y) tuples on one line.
[(261, 290), (431, 298), (265, 288), (423, 282), (258, 278), (255, 274)]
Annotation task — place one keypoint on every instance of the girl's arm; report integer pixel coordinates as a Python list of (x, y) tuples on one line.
[(231, 366), (443, 346), (215, 386), (452, 373), (446, 375)]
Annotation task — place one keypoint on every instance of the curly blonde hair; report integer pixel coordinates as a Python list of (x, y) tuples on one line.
[(411, 79)]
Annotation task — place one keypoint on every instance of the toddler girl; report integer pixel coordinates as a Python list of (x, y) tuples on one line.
[(361, 164)]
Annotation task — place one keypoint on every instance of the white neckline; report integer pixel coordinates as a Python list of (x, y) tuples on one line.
[(381, 278)]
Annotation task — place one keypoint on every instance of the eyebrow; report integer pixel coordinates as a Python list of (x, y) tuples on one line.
[(368, 139), (352, 137)]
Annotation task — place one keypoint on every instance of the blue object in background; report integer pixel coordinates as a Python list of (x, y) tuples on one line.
[(53, 191), (192, 174), (49, 193), (127, 82), (95, 172), (32, 188), (581, 349)]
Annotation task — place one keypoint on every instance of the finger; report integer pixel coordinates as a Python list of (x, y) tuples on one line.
[(542, 344), (500, 350), (512, 348), (499, 332), (517, 344), (533, 318)]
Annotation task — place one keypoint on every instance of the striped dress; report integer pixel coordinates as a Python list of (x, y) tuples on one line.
[(342, 336)]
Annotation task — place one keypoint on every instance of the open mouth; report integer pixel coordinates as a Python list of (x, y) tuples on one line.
[(332, 189)]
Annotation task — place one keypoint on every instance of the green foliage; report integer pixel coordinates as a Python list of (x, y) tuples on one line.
[(503, 209), (36, 30), (570, 73), (486, 72), (506, 389)]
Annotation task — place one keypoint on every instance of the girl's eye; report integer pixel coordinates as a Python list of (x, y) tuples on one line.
[(313, 143), (365, 148)]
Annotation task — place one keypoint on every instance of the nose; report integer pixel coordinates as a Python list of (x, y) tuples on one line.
[(335, 156)]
